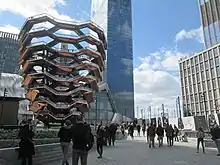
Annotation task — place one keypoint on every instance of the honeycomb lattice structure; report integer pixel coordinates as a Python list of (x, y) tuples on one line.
[(60, 81)]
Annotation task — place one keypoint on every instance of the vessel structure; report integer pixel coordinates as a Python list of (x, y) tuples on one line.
[(61, 65)]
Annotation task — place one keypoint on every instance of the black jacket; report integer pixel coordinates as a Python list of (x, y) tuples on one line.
[(81, 136), (215, 133), (160, 131), (65, 134)]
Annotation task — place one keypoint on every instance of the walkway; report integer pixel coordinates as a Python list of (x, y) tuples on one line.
[(136, 152)]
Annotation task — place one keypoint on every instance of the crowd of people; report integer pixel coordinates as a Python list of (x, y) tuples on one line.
[(82, 138)]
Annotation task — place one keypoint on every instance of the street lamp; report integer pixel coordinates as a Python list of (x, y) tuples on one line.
[(204, 101)]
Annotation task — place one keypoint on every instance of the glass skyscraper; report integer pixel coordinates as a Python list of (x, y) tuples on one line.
[(9, 46), (115, 17)]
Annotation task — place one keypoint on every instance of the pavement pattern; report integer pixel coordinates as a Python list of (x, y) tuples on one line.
[(136, 152)]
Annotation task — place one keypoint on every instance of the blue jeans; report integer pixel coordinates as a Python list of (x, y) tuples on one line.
[(76, 154)]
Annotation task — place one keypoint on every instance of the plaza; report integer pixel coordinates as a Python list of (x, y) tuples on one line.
[(136, 152)]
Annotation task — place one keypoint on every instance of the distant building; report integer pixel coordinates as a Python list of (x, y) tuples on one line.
[(9, 47)]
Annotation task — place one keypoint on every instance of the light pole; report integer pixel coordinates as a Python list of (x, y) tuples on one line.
[(204, 101)]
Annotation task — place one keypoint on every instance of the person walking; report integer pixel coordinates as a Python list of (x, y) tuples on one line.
[(160, 134), (176, 132), (139, 130), (200, 139), (65, 137), (152, 133), (112, 133), (100, 134), (169, 134), (123, 129), (83, 141), (131, 130), (216, 137), (144, 129), (26, 145)]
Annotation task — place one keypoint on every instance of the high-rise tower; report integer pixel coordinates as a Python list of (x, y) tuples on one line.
[(115, 17)]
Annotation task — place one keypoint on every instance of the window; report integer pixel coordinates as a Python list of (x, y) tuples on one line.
[(191, 61), (209, 84), (198, 77), (189, 71), (205, 56), (193, 69), (193, 78), (218, 71), (203, 86), (210, 95), (199, 87), (190, 80), (194, 87), (211, 63), (203, 75), (206, 64), (197, 68), (214, 83), (200, 58), (217, 61), (196, 97), (191, 97), (207, 75), (213, 73), (210, 54), (215, 52), (190, 89), (202, 66), (215, 94), (196, 60)]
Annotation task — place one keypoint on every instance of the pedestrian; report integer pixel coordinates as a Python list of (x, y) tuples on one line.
[(100, 134), (112, 133), (170, 135), (152, 133), (144, 129), (65, 137), (131, 130), (160, 135), (26, 145), (200, 139), (123, 129), (107, 135), (216, 137), (83, 141), (148, 138), (139, 130), (176, 132)]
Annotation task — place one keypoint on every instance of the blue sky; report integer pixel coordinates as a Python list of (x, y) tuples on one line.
[(163, 32)]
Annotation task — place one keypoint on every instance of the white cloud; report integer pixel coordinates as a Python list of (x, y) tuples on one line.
[(190, 34), (9, 29), (28, 8), (156, 79)]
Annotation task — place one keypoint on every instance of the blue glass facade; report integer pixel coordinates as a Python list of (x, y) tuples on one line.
[(120, 55), (115, 17)]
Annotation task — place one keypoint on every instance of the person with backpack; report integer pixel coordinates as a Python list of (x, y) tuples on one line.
[(83, 141), (65, 137)]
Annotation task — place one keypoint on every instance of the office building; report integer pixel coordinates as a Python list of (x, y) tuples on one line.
[(115, 17), (200, 82), (9, 53), (200, 73)]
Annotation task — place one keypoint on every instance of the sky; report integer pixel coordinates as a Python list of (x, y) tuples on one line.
[(163, 32)]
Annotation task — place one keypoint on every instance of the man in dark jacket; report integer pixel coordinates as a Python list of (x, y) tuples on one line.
[(83, 141), (152, 133), (112, 133), (216, 137), (160, 134), (100, 135), (170, 135), (26, 145), (65, 136)]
